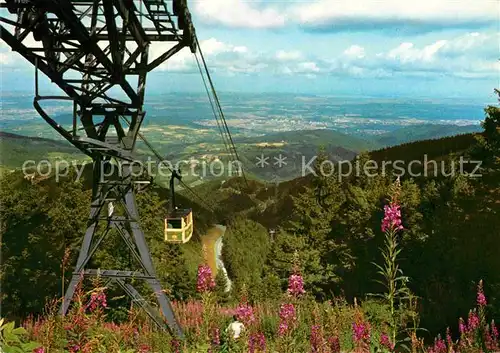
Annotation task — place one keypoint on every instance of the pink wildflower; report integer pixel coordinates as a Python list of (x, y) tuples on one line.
[(439, 345), (316, 339), (39, 350), (245, 314), (494, 330), (176, 345), (361, 335), (494, 344), (334, 344), (473, 321), (392, 218), (205, 282), (296, 285), (257, 343), (287, 316), (282, 328), (481, 298), (215, 337), (449, 340), (361, 331), (287, 312), (74, 348), (144, 349), (462, 327), (97, 299), (385, 341), (488, 340)]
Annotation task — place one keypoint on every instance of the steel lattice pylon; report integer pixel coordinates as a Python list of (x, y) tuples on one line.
[(93, 50)]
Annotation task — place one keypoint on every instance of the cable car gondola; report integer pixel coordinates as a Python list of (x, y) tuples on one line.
[(179, 222)]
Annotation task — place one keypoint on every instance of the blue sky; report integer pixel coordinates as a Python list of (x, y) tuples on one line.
[(425, 48)]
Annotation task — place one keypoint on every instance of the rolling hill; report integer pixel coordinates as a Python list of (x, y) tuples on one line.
[(423, 132)]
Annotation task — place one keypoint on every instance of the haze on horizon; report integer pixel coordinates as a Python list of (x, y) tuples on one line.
[(432, 48)]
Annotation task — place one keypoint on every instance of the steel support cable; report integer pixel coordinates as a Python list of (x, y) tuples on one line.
[(219, 106), (216, 99), (221, 131), (160, 159), (232, 157)]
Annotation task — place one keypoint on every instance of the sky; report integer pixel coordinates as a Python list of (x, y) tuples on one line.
[(390, 48)]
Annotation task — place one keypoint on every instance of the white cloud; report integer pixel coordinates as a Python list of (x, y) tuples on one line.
[(308, 67), (12, 59), (326, 11), (338, 15), (406, 52), (288, 55), (5, 54), (184, 60), (472, 55), (459, 57), (238, 13), (355, 51)]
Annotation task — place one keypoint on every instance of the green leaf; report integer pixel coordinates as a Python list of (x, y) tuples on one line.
[(10, 349), (8, 327), (9, 337), (19, 331), (30, 346)]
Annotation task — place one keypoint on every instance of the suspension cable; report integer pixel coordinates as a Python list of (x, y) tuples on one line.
[(221, 113), (221, 131), (160, 160)]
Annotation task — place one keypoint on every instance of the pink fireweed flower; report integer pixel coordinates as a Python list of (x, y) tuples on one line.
[(385, 341), (334, 344), (216, 337), (361, 335), (439, 345), (74, 348), (392, 218), (361, 331), (473, 321), (282, 328), (245, 314), (256, 343), (493, 341), (481, 298), (296, 285), (39, 350), (316, 339), (462, 327), (176, 345), (205, 282), (97, 299), (449, 340), (287, 316), (144, 349), (488, 340), (287, 312)]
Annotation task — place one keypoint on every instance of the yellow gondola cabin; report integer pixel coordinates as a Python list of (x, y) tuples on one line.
[(179, 226)]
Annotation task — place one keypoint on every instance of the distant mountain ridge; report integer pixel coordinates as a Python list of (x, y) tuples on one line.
[(294, 146), (423, 132)]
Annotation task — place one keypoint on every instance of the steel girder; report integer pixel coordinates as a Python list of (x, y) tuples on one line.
[(93, 50)]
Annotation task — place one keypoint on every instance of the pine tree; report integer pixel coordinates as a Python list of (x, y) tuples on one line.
[(488, 147), (310, 234), (221, 284)]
